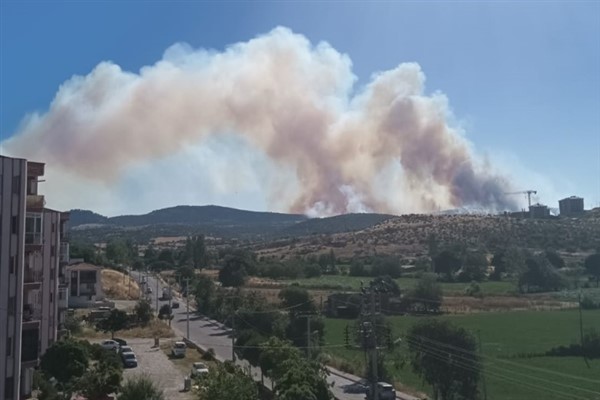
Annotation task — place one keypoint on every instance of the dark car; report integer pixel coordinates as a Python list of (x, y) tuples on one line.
[(120, 341), (129, 360), (175, 305)]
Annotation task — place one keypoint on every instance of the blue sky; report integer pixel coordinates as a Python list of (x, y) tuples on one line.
[(523, 78)]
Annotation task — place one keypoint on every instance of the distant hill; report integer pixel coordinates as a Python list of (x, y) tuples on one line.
[(337, 224), (85, 217), (215, 221), (187, 215)]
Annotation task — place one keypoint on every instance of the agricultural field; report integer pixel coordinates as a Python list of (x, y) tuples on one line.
[(345, 282), (506, 341)]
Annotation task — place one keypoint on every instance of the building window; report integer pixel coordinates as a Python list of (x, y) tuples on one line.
[(11, 305), (51, 297), (15, 225), (9, 384), (53, 251), (53, 227), (9, 347), (11, 266), (16, 184)]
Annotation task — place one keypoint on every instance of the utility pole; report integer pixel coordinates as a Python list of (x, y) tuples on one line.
[(373, 348), (482, 369), (581, 332), (156, 294), (233, 337), (308, 335), (187, 306), (170, 309)]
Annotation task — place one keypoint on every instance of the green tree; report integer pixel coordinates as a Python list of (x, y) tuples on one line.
[(143, 312), (165, 312), (99, 382), (446, 263), (300, 307), (540, 276), (116, 321), (234, 272), (427, 294), (140, 387), (592, 266), (357, 268), (389, 265), (295, 376), (474, 267), (385, 284), (194, 252), (120, 251), (446, 357), (554, 258), (65, 360), (225, 382), (204, 293)]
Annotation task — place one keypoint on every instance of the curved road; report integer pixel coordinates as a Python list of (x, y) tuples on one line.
[(207, 333)]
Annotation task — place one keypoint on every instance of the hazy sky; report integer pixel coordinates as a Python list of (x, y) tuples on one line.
[(522, 78)]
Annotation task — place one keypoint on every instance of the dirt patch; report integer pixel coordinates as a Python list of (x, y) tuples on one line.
[(119, 286)]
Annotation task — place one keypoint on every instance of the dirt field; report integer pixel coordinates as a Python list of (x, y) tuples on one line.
[(119, 286)]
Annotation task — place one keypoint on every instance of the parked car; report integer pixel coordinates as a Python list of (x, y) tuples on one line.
[(199, 369), (178, 349), (125, 349), (129, 360), (148, 290), (121, 342), (385, 392), (361, 386), (175, 305), (110, 345)]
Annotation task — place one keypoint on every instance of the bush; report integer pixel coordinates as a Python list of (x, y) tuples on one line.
[(73, 324), (587, 303), (473, 290), (209, 355)]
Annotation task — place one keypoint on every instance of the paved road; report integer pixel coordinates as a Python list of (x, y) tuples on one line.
[(208, 333)]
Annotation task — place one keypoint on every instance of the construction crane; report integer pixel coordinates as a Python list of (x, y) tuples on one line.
[(527, 192)]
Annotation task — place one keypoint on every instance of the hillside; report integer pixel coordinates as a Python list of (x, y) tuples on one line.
[(411, 235), (337, 224)]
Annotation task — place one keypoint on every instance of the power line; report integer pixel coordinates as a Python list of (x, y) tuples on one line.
[(461, 364), (514, 363), (567, 386)]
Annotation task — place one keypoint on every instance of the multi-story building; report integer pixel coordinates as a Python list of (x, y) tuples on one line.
[(571, 205), (13, 174), (539, 211), (32, 238)]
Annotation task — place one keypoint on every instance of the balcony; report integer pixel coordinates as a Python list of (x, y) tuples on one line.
[(31, 317), (64, 252), (35, 202), (33, 231), (32, 277)]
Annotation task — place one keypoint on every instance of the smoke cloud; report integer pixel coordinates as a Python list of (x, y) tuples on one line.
[(387, 147)]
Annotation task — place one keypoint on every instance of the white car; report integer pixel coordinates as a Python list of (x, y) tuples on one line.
[(110, 345), (178, 349), (199, 369)]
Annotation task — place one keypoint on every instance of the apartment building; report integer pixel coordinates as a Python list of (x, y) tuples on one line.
[(13, 174), (32, 264)]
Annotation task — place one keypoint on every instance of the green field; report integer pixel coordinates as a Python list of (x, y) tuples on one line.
[(503, 337), (344, 282)]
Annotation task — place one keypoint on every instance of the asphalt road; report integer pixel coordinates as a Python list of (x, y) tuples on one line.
[(208, 333)]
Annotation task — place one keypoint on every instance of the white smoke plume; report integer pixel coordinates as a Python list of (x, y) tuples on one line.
[(386, 148)]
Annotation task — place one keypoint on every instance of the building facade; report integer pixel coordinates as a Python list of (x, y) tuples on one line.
[(13, 178), (32, 265), (571, 206)]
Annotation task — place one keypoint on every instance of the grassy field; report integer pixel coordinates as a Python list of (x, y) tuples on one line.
[(345, 282), (503, 337)]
